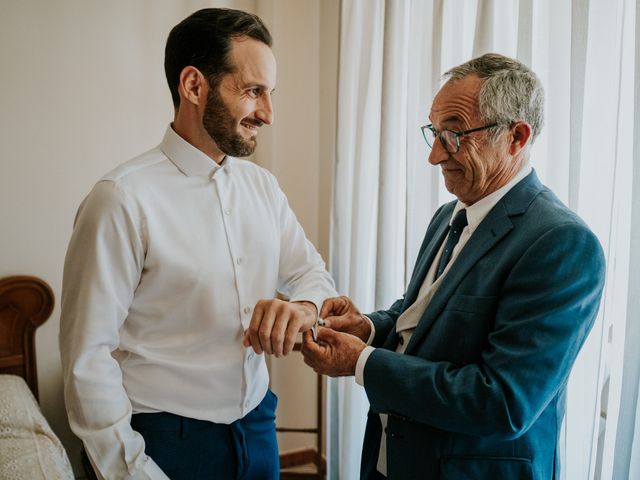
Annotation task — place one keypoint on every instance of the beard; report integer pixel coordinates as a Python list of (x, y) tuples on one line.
[(219, 123)]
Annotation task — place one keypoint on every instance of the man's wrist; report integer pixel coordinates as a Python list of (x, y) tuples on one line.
[(307, 304), (311, 310)]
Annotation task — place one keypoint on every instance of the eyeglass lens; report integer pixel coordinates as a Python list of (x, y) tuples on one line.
[(449, 139)]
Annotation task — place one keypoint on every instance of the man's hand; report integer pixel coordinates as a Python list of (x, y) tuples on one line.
[(335, 354), (276, 323), (340, 314)]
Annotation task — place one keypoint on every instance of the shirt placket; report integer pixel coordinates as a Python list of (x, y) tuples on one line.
[(232, 220)]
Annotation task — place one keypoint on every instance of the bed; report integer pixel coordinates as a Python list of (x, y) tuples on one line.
[(29, 449)]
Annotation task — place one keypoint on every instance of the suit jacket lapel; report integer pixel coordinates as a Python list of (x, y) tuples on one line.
[(491, 230), (435, 239)]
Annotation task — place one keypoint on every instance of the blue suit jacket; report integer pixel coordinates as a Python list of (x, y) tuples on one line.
[(479, 393)]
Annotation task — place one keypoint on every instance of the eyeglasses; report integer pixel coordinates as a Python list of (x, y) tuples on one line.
[(450, 139)]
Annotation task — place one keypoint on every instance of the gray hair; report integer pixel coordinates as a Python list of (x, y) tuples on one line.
[(510, 91)]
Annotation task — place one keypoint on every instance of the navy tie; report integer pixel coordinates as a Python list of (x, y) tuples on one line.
[(457, 225)]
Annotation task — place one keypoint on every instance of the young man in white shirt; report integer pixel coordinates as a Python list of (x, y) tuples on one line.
[(175, 258)]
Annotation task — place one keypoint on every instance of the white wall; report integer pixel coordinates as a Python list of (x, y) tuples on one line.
[(300, 150), (83, 89)]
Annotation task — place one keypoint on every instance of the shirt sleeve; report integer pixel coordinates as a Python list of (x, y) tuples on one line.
[(372, 335), (302, 275), (362, 360), (102, 269)]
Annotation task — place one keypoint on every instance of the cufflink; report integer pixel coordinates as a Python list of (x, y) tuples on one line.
[(314, 330)]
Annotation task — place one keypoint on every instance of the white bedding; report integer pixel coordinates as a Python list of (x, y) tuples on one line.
[(28, 447)]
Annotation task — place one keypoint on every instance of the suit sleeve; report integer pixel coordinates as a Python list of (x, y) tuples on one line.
[(546, 307), (384, 322)]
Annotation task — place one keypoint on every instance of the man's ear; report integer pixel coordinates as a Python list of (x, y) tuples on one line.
[(192, 86), (520, 136)]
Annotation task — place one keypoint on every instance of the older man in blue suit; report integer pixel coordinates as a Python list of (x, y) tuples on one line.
[(466, 373)]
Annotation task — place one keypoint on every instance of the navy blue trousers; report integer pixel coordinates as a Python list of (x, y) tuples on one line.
[(189, 449)]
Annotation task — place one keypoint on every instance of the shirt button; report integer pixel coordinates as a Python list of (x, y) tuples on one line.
[(246, 309), (227, 211), (239, 260), (401, 340), (251, 355), (246, 404)]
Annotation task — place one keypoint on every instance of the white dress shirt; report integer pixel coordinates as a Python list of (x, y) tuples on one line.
[(169, 254), (408, 320)]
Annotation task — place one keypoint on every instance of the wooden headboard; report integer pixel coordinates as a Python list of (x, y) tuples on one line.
[(25, 304)]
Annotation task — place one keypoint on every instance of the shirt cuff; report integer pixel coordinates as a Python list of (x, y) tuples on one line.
[(372, 335), (316, 296), (362, 360)]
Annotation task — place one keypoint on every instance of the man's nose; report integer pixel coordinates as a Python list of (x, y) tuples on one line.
[(438, 153), (264, 113)]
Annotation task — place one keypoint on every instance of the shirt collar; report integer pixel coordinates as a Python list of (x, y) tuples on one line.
[(189, 160), (480, 209)]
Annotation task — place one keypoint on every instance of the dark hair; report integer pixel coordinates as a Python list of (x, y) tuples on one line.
[(203, 40)]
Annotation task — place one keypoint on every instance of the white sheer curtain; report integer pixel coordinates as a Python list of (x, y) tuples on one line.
[(365, 176), (587, 54)]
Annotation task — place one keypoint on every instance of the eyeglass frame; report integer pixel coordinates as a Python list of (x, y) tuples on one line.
[(438, 134)]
